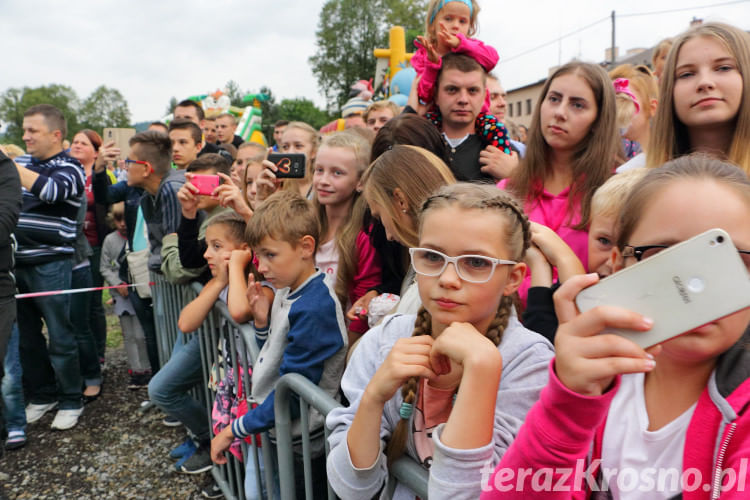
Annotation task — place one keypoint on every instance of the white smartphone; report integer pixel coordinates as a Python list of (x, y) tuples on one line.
[(681, 288)]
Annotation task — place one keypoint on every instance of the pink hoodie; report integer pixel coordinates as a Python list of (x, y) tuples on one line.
[(563, 431), (551, 210), (485, 55)]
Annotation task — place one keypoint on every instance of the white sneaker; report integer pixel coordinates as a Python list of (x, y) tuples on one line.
[(34, 411), (66, 419)]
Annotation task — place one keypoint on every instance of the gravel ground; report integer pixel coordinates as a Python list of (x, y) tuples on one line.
[(116, 451)]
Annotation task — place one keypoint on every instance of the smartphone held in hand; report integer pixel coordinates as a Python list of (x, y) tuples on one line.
[(681, 288), (205, 183), (288, 166)]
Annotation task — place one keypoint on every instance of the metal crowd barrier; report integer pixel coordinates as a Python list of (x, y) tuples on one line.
[(405, 470), (220, 335)]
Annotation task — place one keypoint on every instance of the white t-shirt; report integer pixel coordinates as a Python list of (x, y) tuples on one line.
[(327, 260), (648, 463), (638, 161)]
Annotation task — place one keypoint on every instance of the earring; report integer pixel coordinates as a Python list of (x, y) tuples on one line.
[(403, 210)]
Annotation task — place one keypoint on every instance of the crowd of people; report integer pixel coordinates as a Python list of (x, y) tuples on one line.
[(423, 271)]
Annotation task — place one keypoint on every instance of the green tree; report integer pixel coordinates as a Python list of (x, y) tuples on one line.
[(270, 110), (15, 101), (105, 107), (348, 31), (170, 107), (235, 94), (304, 110)]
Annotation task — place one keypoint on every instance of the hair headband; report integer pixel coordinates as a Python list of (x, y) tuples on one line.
[(442, 4), (622, 86)]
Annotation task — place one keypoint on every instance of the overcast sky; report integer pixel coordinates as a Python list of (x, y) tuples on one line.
[(152, 50)]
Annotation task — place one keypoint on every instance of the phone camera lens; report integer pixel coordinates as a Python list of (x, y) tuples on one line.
[(720, 239)]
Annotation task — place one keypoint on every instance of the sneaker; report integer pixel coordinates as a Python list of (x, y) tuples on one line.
[(139, 381), (66, 419), (184, 459), (211, 490), (16, 439), (34, 411), (199, 462), (186, 448), (171, 421)]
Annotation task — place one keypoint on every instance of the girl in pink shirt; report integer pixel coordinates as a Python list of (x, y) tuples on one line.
[(572, 149)]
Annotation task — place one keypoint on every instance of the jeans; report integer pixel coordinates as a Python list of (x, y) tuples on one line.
[(7, 318), (12, 387), (51, 372), (80, 304), (97, 319), (251, 482), (145, 312), (169, 388)]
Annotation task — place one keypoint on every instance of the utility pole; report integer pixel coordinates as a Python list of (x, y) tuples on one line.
[(612, 53)]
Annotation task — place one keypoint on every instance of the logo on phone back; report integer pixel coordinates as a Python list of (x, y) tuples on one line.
[(681, 289)]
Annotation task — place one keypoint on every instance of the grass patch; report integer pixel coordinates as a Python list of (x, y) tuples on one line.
[(114, 330)]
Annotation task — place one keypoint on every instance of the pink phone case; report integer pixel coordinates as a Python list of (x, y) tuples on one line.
[(205, 183)]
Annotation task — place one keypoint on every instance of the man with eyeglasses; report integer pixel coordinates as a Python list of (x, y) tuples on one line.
[(53, 189)]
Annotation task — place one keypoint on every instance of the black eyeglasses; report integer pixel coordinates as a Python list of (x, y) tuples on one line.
[(646, 251)]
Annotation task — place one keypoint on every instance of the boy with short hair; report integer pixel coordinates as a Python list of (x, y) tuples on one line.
[(304, 331), (605, 208), (187, 141)]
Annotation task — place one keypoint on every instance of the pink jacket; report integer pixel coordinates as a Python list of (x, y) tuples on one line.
[(562, 426), (368, 276), (552, 211), (483, 54)]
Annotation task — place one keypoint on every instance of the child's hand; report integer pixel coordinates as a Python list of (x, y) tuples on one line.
[(585, 361), (557, 252), (359, 308), (432, 54), (409, 357), (123, 289), (221, 273), (458, 349), (266, 183), (188, 196), (539, 268), (260, 305), (446, 38), (229, 195), (413, 101), (221, 443), (240, 258), (496, 163)]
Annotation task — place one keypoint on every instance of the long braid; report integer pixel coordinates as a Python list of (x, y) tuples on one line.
[(397, 444)]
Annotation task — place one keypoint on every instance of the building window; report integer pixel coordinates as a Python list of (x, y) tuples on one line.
[(518, 108), (510, 110), (528, 106)]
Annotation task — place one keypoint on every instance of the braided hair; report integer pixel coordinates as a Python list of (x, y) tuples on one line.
[(518, 238)]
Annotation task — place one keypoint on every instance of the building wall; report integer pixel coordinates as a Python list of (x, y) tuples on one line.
[(521, 103)]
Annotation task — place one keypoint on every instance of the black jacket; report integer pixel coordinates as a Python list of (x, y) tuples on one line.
[(10, 207)]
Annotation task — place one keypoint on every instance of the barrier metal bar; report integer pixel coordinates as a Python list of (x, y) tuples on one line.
[(405, 470), (239, 350), (243, 350)]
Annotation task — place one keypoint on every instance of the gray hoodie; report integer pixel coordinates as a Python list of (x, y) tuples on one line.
[(454, 474)]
